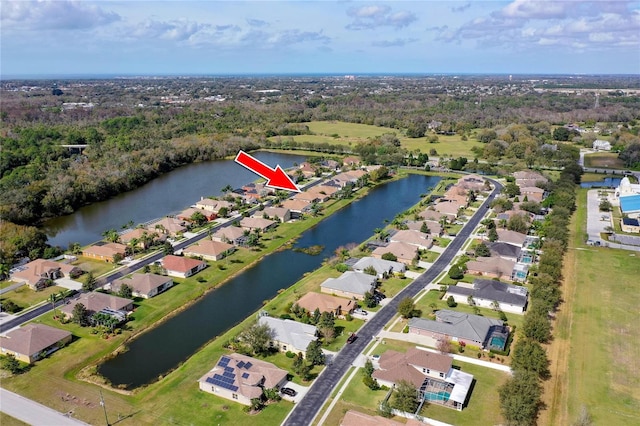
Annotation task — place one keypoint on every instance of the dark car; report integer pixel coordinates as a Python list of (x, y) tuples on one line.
[(352, 338), (288, 391)]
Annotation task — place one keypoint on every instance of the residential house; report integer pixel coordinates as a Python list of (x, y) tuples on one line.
[(415, 238), (528, 178), (33, 341), (351, 161), (472, 183), (350, 284), (209, 250), (383, 267), (168, 226), (462, 328), (289, 335), (240, 378), (327, 303), (510, 298), (601, 145), (213, 206), (449, 209), (533, 193), (143, 236), (187, 214), (261, 224), (456, 195), (230, 234), (182, 267), (431, 373), (309, 197), (327, 190), (511, 237), (95, 302), (403, 252), (280, 213), (432, 214), (260, 189), (349, 177), (296, 207), (435, 228), (496, 267), (39, 272), (144, 285), (109, 252), (504, 250), (330, 164)]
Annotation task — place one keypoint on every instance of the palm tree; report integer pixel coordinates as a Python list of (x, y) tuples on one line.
[(226, 189), (111, 235), (4, 270)]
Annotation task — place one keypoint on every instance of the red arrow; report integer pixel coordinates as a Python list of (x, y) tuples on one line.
[(276, 178)]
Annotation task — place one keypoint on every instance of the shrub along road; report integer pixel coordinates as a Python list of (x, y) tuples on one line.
[(305, 411)]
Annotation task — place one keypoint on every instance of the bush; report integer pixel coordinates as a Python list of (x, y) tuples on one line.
[(290, 354), (286, 316), (405, 329), (341, 267), (456, 272), (348, 317), (451, 302)]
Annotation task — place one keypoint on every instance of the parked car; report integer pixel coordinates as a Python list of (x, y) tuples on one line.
[(360, 312), (352, 338), (288, 391)]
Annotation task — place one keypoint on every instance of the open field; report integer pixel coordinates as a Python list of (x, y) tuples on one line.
[(594, 355), (607, 160), (341, 133), (7, 420), (26, 297)]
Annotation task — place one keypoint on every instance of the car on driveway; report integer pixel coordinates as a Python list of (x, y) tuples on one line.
[(288, 391), (360, 312)]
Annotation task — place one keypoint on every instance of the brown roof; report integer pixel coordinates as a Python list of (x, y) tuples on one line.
[(400, 250), (279, 212), (213, 205), (256, 373), (328, 190), (134, 233), (32, 338), (295, 205), (39, 268), (179, 264), (512, 237), (231, 233), (396, 366), (415, 238), (172, 225), (256, 222), (142, 283), (356, 418), (324, 302), (307, 196), (208, 248), (96, 301), (433, 226), (106, 250), (491, 265), (450, 208)]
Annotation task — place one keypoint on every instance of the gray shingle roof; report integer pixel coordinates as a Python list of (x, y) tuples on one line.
[(352, 282), (494, 290), (380, 265), (458, 324), (504, 249), (294, 334)]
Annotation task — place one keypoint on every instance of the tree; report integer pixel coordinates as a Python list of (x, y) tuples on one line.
[(111, 235), (327, 326), (451, 302), (298, 363), (389, 256), (80, 315), (11, 364), (315, 317), (271, 394), (529, 355), (89, 282), (167, 248), (368, 368), (370, 270), (385, 410), (456, 272), (424, 228), (537, 326), (405, 397), (482, 250), (258, 336), (125, 291), (492, 234), (314, 353), (605, 206), (561, 134), (518, 223), (369, 301), (406, 307), (511, 189), (198, 218), (520, 398)]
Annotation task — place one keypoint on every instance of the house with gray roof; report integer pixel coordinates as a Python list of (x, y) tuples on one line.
[(382, 267), (461, 327), (510, 298), (350, 284), (504, 250), (289, 335)]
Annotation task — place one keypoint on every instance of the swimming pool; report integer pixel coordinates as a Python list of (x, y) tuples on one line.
[(497, 342), (437, 396)]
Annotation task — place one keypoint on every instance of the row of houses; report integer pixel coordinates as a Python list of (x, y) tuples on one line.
[(404, 245)]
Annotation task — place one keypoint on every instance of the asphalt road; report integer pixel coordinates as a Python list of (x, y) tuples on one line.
[(304, 411), (32, 412)]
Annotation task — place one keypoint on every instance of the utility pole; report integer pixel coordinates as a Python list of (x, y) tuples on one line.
[(104, 407)]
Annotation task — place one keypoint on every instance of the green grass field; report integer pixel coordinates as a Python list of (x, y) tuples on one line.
[(7, 420), (605, 160), (26, 297), (596, 348), (353, 133)]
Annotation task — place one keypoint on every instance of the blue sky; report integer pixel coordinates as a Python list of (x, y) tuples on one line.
[(343, 37)]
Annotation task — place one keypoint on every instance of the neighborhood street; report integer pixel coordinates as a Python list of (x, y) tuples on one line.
[(33, 413), (304, 412)]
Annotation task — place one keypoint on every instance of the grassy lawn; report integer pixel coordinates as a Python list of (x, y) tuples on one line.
[(26, 297), (430, 256), (442, 242), (605, 160), (594, 355), (92, 265), (392, 286), (341, 133), (468, 278), (7, 420), (5, 284)]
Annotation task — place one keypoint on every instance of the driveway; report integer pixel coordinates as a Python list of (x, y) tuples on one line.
[(301, 392)]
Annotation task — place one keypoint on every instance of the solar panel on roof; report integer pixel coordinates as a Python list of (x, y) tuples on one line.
[(245, 375), (224, 361), (209, 380), (233, 388), (248, 365), (241, 364), (229, 369), (229, 375)]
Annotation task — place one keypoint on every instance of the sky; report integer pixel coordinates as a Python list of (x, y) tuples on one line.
[(306, 37)]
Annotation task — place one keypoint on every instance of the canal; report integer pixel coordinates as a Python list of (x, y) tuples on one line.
[(169, 193), (161, 349)]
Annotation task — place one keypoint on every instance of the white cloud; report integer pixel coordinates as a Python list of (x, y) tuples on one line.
[(370, 17), (176, 30), (54, 15)]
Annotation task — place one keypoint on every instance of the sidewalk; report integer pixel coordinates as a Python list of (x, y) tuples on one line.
[(426, 341)]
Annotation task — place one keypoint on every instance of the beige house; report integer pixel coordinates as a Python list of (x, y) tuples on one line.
[(143, 236), (182, 267), (144, 285), (33, 341), (435, 228), (403, 252), (38, 272), (168, 226), (96, 301), (289, 335), (108, 252), (496, 267), (414, 238), (229, 234), (533, 193), (511, 237), (327, 303), (528, 178), (240, 378), (212, 205), (261, 224), (209, 250), (350, 284), (280, 213)]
